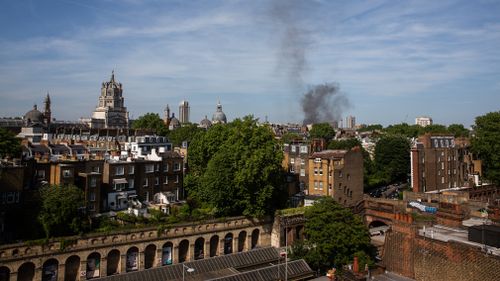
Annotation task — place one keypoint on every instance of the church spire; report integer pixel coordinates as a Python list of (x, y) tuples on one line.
[(112, 76)]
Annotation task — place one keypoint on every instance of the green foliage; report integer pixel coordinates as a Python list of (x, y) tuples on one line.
[(59, 214), (373, 127), (458, 130), (151, 121), (344, 144), (392, 159), (435, 129), (236, 169), (322, 131), (9, 144), (334, 235), (486, 144), (288, 137), (410, 131), (184, 133)]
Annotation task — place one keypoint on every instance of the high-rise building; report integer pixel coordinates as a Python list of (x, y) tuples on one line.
[(423, 121), (110, 112), (350, 122), (184, 112)]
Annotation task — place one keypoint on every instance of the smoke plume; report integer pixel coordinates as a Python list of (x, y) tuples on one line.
[(321, 103)]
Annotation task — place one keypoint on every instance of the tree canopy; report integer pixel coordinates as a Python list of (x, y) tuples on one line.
[(60, 210), (184, 133), (486, 144), (235, 169), (151, 121), (322, 131), (334, 236), (9, 144), (458, 130), (392, 158)]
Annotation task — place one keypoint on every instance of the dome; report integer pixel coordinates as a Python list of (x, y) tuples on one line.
[(205, 123), (219, 116), (33, 116)]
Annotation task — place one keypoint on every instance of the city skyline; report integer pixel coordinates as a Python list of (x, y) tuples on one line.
[(404, 59)]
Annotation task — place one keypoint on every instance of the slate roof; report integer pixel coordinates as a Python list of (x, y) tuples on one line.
[(227, 266)]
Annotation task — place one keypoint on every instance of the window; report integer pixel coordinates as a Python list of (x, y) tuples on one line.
[(317, 160), (119, 170), (294, 148), (303, 149), (315, 185), (145, 183), (149, 168), (157, 181), (131, 170), (92, 197), (292, 160), (302, 161), (93, 182), (165, 167), (340, 174), (442, 165), (315, 171), (95, 169), (131, 183), (302, 172), (348, 176), (177, 166), (442, 179), (320, 171), (157, 167), (40, 174), (166, 180), (320, 185), (176, 178), (66, 173)]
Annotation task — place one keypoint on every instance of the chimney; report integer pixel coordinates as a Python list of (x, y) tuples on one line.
[(355, 265)]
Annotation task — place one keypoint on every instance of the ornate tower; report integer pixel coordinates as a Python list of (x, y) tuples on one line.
[(166, 117), (110, 111), (47, 113)]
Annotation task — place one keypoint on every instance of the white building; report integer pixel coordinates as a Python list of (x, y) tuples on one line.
[(145, 147), (423, 121)]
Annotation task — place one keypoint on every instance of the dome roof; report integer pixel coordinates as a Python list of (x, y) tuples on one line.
[(219, 116), (205, 123), (33, 116)]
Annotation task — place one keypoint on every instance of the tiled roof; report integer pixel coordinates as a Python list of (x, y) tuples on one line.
[(336, 153)]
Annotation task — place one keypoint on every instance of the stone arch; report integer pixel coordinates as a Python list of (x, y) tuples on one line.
[(132, 259), (183, 250), (149, 256), (93, 265), (26, 272), (242, 239), (50, 270), (4, 273), (255, 238), (167, 253), (376, 223), (72, 268), (199, 248), (214, 245), (228, 243), (113, 262)]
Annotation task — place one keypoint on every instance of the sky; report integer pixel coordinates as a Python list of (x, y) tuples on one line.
[(392, 60)]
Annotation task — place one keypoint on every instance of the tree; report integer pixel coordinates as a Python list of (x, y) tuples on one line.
[(184, 133), (9, 144), (235, 169), (373, 127), (458, 130), (486, 144), (392, 158), (410, 131), (151, 121), (334, 235), (289, 137), (60, 212), (435, 129), (322, 131)]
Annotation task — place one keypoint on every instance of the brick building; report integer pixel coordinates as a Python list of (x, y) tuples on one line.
[(337, 173), (442, 161)]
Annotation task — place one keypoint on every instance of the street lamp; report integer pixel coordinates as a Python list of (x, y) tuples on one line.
[(188, 269)]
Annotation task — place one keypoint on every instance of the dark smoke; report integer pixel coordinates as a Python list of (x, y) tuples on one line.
[(323, 103)]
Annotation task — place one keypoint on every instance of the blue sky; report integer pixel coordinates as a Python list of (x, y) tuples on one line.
[(394, 60)]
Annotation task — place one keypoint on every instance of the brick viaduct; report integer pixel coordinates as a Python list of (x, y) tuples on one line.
[(102, 255)]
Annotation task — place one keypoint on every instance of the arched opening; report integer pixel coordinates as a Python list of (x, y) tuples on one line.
[(132, 263), (228, 244), (49, 270), (199, 252), (242, 238), (183, 250), (255, 238), (166, 253), (149, 256), (214, 245), (113, 263), (377, 228), (26, 272), (93, 265), (72, 268), (4, 273)]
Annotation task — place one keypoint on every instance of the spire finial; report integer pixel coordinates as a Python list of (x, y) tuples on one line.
[(113, 75)]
